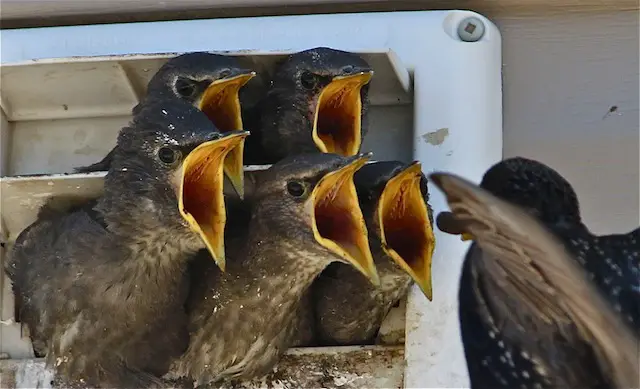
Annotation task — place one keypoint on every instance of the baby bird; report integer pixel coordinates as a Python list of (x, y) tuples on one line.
[(318, 101), (304, 215), (209, 82), (394, 198), (102, 287)]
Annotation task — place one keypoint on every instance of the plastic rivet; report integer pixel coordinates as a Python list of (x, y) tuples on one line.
[(471, 29)]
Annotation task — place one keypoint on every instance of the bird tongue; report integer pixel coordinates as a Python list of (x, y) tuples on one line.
[(405, 230), (221, 103), (201, 199), (337, 220), (337, 121)]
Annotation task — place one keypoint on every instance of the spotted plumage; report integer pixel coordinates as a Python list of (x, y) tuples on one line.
[(102, 285), (612, 261), (495, 360), (523, 347)]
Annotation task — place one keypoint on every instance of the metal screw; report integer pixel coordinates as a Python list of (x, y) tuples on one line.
[(471, 29)]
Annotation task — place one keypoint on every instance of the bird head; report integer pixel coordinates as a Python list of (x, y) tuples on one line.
[(168, 171), (322, 95), (312, 198), (529, 184), (394, 201), (211, 83)]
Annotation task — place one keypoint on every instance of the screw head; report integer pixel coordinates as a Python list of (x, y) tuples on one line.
[(471, 29)]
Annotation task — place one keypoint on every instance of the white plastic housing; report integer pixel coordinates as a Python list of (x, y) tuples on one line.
[(434, 98)]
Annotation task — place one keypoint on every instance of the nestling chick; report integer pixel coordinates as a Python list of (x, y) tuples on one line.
[(304, 215), (209, 82), (103, 286), (394, 198), (318, 101)]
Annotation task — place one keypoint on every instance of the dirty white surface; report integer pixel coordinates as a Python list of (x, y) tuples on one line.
[(454, 123), (339, 368), (24, 373)]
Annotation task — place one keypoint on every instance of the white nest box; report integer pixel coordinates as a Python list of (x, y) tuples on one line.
[(436, 97)]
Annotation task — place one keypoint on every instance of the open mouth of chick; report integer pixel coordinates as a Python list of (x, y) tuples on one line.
[(201, 199), (221, 103), (406, 232), (337, 126), (337, 220)]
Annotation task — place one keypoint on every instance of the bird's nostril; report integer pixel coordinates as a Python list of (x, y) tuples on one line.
[(347, 69)]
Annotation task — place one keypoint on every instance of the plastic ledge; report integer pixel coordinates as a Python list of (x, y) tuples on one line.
[(103, 86)]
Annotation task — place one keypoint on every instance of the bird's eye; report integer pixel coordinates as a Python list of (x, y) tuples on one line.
[(295, 188), (185, 87), (347, 69), (168, 155), (224, 74), (308, 80)]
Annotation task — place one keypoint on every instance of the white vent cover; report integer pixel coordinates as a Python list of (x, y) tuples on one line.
[(66, 91)]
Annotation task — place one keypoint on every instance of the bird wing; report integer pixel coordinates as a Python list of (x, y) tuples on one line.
[(542, 273)]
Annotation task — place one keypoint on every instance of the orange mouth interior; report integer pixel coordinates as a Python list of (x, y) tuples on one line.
[(201, 199), (221, 103), (337, 124), (407, 233), (338, 223)]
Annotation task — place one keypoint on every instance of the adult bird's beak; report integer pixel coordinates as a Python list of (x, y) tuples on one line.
[(337, 220), (221, 103), (448, 223), (200, 198), (337, 121), (402, 217)]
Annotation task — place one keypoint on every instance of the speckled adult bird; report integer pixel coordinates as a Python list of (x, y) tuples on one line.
[(318, 100), (543, 302), (102, 287), (394, 198), (612, 261), (304, 215), (209, 82)]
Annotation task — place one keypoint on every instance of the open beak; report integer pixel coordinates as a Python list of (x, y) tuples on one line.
[(406, 232), (200, 198), (337, 220), (448, 223), (221, 103), (337, 124)]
